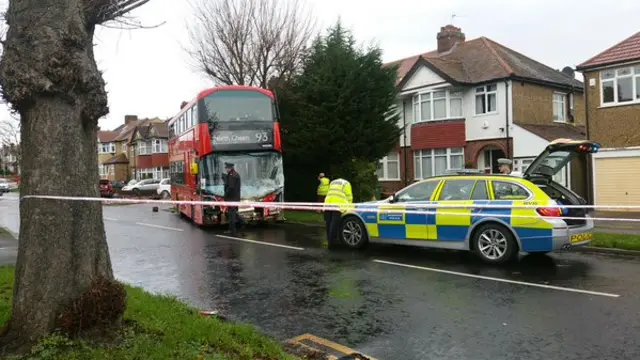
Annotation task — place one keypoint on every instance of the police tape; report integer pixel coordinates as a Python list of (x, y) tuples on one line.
[(502, 204), (385, 208)]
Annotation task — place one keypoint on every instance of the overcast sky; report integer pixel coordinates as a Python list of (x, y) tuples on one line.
[(148, 75)]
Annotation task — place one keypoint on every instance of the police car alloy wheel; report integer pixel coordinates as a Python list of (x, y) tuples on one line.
[(494, 243), (353, 233)]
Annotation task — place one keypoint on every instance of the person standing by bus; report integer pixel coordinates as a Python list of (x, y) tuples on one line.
[(232, 187), (339, 194), (323, 187)]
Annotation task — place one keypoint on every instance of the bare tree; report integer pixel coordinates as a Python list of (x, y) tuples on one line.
[(49, 76), (248, 42), (10, 141)]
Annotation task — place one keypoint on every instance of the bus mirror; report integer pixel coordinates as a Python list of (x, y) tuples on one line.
[(194, 168)]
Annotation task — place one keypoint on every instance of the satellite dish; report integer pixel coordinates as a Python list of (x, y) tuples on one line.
[(567, 70)]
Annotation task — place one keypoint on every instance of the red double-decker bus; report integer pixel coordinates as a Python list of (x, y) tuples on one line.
[(235, 124)]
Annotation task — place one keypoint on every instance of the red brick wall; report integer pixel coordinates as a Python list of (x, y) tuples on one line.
[(160, 160), (433, 135), (143, 161), (151, 161)]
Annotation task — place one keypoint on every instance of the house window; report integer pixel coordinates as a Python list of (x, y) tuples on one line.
[(521, 165), (124, 147), (158, 173), (144, 174), (559, 109), (434, 162), (160, 146), (437, 105), (620, 86), (144, 148), (106, 148), (389, 167), (103, 170), (486, 99)]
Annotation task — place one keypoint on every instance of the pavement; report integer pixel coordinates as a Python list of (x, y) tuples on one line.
[(389, 302)]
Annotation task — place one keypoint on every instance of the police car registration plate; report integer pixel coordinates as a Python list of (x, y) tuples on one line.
[(581, 237)]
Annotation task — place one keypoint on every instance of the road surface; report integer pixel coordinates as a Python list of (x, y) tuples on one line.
[(387, 302)]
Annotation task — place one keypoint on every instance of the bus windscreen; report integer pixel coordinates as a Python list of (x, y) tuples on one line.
[(238, 105), (261, 173)]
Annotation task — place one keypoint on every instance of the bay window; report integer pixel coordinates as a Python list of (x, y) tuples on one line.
[(434, 162), (486, 99), (437, 105), (620, 86), (389, 167), (144, 148), (160, 146), (106, 148), (559, 108)]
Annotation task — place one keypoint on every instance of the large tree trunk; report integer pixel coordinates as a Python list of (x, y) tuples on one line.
[(49, 75)]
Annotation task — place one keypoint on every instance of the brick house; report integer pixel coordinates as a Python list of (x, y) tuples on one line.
[(612, 88), (150, 144), (117, 154), (468, 103)]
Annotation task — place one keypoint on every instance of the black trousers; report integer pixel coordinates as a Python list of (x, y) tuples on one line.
[(232, 211), (332, 221)]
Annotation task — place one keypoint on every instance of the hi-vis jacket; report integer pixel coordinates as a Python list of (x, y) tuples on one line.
[(339, 194), (323, 188)]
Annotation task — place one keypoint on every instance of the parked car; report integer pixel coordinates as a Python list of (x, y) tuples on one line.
[(496, 235), (4, 186), (164, 189), (147, 187), (106, 188)]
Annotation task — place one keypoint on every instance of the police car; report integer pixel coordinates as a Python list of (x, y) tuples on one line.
[(495, 234)]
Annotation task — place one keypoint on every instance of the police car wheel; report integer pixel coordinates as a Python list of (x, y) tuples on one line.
[(494, 243), (353, 233)]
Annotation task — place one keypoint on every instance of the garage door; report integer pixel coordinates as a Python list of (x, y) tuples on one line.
[(617, 181)]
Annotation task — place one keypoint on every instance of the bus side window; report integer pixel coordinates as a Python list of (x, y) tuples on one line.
[(189, 123), (194, 115)]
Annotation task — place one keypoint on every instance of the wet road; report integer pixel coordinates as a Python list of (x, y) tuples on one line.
[(381, 308)]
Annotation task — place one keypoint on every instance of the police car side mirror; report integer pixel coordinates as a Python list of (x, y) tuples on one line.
[(392, 198)]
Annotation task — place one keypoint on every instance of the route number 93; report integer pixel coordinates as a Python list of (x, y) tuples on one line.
[(262, 136)]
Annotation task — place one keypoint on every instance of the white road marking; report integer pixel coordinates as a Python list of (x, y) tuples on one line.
[(261, 242), (159, 226), (500, 280), (110, 219)]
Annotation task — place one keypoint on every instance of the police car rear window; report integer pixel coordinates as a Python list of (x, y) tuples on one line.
[(503, 190)]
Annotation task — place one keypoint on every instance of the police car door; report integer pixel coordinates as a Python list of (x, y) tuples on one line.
[(395, 223), (454, 218)]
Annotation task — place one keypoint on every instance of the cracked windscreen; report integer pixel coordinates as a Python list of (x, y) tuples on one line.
[(261, 173)]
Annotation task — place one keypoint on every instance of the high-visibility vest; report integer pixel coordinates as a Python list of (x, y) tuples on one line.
[(339, 194), (323, 188)]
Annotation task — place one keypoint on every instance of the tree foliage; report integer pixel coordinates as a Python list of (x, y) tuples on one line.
[(247, 42), (339, 115)]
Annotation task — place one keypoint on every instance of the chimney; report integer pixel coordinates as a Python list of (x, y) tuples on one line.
[(128, 119), (448, 36)]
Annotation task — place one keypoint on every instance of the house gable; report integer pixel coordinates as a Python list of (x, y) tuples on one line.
[(422, 76)]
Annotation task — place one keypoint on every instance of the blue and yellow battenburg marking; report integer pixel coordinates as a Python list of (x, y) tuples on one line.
[(453, 224)]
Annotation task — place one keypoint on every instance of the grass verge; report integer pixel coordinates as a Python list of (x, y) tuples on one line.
[(155, 327), (305, 217), (616, 241)]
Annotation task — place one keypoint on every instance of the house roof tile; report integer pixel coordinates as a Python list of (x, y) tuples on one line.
[(555, 131), (481, 60), (106, 136), (626, 50)]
